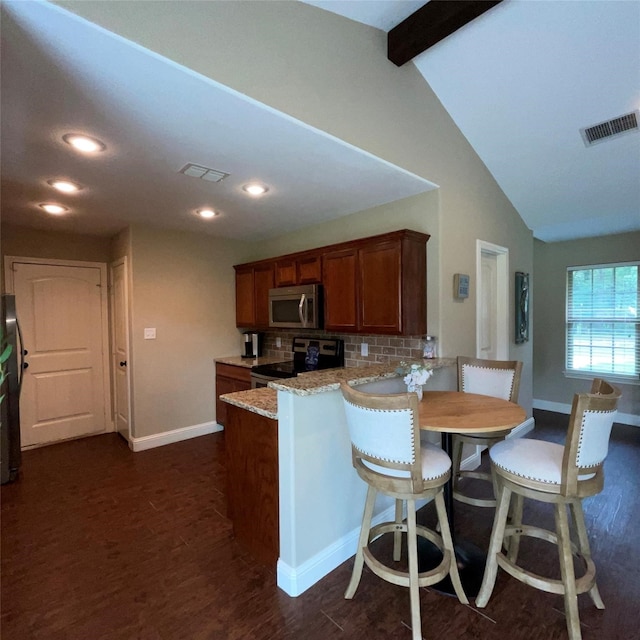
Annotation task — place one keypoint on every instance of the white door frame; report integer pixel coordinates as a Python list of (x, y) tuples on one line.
[(502, 296), (104, 312), (112, 266)]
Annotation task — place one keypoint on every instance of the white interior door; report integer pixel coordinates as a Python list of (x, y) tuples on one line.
[(62, 314), (492, 306), (120, 341)]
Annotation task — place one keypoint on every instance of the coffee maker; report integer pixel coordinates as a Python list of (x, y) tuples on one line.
[(252, 344)]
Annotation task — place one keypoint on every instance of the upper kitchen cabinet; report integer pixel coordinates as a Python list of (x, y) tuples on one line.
[(377, 285), (340, 291), (305, 269), (392, 283), (253, 282)]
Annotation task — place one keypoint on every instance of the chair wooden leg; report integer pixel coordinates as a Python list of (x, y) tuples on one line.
[(495, 545), (567, 572), (362, 543), (585, 550), (448, 544), (456, 461), (397, 536), (414, 588), (513, 545)]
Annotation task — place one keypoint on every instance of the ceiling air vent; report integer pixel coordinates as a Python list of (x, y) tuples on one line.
[(627, 123), (204, 173)]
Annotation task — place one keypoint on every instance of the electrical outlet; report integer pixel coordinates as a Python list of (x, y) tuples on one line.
[(150, 334), (278, 342), (364, 349)]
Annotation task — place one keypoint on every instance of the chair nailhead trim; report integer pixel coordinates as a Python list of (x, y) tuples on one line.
[(413, 449)]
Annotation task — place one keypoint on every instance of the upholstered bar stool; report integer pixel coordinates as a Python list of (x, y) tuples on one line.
[(562, 475), (497, 378), (387, 454)]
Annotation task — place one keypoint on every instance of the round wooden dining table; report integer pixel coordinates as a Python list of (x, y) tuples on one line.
[(450, 412), (459, 412)]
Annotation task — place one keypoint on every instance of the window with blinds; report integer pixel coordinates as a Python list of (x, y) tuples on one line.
[(603, 328)]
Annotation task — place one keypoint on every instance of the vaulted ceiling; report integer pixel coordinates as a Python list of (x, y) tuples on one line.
[(519, 81)]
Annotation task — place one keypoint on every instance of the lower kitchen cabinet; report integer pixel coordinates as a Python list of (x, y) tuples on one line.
[(229, 378), (251, 445)]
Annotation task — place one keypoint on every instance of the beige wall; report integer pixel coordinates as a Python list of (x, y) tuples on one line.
[(550, 263), (183, 285), (332, 73), (35, 243)]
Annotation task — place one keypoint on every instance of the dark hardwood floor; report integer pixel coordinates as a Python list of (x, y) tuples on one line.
[(99, 543)]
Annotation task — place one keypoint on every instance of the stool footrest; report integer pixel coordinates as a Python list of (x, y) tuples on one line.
[(550, 585), (476, 502), (401, 578)]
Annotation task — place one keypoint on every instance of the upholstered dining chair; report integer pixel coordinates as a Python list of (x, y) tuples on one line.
[(387, 454), (558, 474), (498, 378)]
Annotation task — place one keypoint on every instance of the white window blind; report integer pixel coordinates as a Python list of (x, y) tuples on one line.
[(603, 328)]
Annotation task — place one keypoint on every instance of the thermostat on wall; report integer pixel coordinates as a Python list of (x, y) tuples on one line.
[(460, 285)]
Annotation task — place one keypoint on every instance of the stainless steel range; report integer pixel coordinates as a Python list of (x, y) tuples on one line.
[(309, 354)]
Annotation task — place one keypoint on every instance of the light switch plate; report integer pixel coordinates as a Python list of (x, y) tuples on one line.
[(150, 334), (364, 349), (278, 342)]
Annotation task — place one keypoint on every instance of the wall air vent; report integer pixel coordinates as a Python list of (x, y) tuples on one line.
[(627, 123), (204, 173)]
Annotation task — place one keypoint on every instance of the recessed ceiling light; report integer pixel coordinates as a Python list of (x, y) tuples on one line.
[(255, 189), (207, 213), (84, 143), (66, 186), (55, 209)]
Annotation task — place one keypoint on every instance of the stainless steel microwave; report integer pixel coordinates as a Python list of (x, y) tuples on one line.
[(296, 307)]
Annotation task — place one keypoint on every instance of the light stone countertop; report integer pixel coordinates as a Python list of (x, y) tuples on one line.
[(263, 401), (247, 363)]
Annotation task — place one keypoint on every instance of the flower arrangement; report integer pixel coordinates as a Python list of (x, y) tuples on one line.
[(415, 375)]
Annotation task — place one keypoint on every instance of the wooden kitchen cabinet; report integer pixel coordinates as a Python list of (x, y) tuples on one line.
[(252, 294), (379, 288), (229, 378), (340, 294), (375, 285), (305, 269), (392, 285), (251, 453), (378, 285)]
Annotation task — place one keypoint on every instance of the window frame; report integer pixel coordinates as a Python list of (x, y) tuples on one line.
[(633, 378)]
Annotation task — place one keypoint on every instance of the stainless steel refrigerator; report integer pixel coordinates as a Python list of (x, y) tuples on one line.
[(10, 405)]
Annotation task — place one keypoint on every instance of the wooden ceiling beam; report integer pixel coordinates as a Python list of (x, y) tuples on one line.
[(431, 23)]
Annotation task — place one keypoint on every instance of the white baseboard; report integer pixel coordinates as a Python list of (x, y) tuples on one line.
[(522, 428), (296, 580), (559, 407), (176, 435)]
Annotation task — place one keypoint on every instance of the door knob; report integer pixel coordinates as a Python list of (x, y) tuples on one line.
[(123, 363)]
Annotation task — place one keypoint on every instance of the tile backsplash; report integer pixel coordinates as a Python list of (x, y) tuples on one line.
[(382, 349)]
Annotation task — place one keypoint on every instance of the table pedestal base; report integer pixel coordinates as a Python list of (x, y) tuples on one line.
[(471, 562)]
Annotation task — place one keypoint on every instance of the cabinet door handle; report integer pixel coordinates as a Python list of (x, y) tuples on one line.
[(123, 363)]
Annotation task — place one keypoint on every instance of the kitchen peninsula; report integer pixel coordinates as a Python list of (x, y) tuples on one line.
[(289, 455)]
